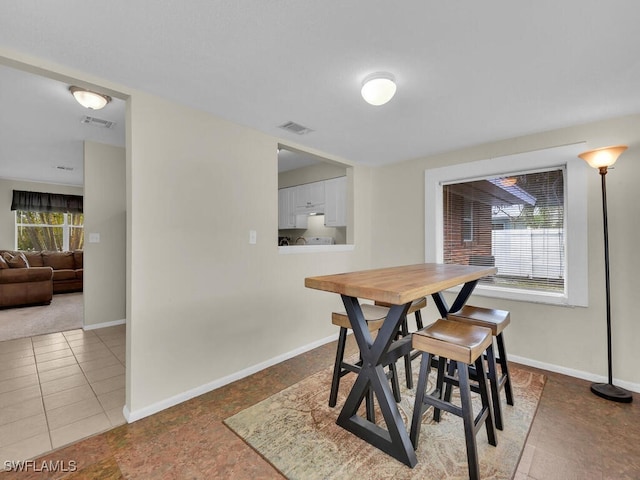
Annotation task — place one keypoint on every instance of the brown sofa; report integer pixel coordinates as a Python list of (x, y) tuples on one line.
[(28, 278)]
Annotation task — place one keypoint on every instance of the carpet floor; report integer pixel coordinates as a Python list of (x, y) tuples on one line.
[(66, 312), (295, 431)]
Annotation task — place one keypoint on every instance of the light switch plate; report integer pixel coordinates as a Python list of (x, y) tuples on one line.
[(94, 238)]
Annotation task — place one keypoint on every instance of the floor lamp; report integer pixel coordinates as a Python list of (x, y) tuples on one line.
[(602, 158)]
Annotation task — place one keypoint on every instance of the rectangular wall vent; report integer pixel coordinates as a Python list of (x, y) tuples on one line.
[(64, 167), (295, 128), (97, 122)]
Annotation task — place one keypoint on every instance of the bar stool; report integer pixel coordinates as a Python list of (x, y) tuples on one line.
[(465, 345), (497, 321), (414, 308), (374, 316)]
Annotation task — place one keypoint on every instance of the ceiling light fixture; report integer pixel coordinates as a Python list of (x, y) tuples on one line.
[(88, 99), (508, 181), (378, 88)]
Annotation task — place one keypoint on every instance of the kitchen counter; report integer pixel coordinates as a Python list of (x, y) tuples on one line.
[(314, 248)]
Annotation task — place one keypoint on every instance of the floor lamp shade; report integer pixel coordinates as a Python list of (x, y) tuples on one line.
[(602, 159)]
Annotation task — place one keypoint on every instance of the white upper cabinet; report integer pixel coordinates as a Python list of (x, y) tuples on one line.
[(310, 198), (335, 206), (286, 208), (328, 197)]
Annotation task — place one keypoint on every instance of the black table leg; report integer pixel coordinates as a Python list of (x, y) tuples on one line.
[(395, 440), (458, 303)]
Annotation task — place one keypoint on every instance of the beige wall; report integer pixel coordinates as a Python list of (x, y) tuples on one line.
[(565, 339), (105, 214), (312, 173), (204, 304), (7, 216)]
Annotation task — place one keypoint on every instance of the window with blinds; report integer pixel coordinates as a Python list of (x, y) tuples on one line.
[(514, 222)]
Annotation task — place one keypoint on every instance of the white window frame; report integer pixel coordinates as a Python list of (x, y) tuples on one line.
[(576, 249), (66, 229)]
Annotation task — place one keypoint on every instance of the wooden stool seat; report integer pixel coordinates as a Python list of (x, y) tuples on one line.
[(497, 321), (373, 314), (416, 305), (463, 345), (453, 340)]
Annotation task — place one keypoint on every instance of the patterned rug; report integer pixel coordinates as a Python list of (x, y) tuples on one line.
[(295, 430)]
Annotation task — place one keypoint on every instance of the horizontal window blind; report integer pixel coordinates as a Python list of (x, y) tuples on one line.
[(514, 222)]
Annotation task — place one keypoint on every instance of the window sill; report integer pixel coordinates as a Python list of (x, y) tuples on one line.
[(548, 298), (314, 249)]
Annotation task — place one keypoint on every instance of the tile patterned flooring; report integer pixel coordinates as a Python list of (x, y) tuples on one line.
[(58, 388), (575, 435)]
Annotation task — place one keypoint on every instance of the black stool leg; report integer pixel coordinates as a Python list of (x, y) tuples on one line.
[(395, 383), (439, 392), (451, 371), (469, 421), (369, 406), (486, 404), (419, 320), (404, 330), (418, 407), (337, 368), (494, 382), (505, 369)]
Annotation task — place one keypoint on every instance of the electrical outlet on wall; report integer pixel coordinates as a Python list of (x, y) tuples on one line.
[(253, 235)]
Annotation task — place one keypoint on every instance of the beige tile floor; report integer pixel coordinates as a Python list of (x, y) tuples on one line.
[(58, 388)]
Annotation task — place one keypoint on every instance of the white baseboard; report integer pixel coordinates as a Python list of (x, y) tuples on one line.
[(132, 416), (634, 387), (95, 326)]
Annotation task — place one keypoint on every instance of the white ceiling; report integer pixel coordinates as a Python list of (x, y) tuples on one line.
[(468, 72), (41, 129)]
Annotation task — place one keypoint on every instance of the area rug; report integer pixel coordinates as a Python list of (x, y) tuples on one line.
[(295, 430), (66, 312)]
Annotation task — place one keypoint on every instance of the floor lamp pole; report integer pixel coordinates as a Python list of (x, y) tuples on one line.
[(608, 390)]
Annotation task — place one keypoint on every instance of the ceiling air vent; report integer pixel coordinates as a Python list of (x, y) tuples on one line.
[(295, 128), (97, 122), (64, 167)]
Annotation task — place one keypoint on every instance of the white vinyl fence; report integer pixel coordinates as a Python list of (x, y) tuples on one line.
[(534, 253)]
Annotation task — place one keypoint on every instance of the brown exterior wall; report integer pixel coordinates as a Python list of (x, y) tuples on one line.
[(457, 250)]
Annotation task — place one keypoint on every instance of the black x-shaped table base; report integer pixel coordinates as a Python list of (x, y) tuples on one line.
[(376, 354)]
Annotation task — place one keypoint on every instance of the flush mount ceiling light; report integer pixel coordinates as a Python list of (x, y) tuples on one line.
[(88, 99), (378, 88)]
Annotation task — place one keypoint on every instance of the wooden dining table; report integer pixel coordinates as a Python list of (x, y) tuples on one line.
[(397, 286)]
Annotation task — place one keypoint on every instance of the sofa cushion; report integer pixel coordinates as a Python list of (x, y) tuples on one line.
[(25, 275), (15, 259), (3, 263), (78, 258), (34, 259), (64, 275), (79, 274), (58, 260)]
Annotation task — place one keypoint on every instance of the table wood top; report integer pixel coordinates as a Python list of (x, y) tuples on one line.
[(399, 285)]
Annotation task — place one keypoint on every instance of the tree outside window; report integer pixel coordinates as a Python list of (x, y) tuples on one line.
[(49, 231)]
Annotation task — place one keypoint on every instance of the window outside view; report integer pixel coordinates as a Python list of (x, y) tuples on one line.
[(49, 231), (515, 223)]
